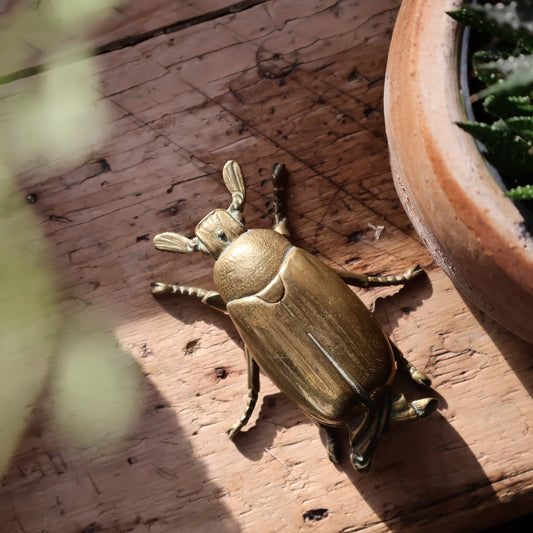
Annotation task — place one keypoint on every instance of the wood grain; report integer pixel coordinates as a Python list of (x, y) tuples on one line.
[(284, 81)]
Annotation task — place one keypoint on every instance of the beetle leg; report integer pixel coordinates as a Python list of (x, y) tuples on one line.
[(211, 298), (361, 280), (364, 432), (331, 442), (402, 410), (416, 375), (279, 177), (253, 392)]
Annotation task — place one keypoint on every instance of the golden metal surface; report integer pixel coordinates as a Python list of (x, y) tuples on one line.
[(301, 323)]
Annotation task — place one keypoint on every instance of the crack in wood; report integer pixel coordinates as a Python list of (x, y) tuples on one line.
[(177, 26)]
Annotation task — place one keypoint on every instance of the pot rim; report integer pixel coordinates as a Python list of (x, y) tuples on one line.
[(478, 200)]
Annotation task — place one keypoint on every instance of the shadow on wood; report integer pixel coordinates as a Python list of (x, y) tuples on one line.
[(150, 480), (517, 352)]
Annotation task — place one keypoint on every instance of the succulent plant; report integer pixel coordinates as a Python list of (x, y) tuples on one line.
[(503, 66)]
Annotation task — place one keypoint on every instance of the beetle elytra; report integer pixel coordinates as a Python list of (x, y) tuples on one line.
[(301, 324)]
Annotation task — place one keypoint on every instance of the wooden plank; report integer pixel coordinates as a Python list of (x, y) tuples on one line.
[(133, 19), (121, 23), (289, 82)]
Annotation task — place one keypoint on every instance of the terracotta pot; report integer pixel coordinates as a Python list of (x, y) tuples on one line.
[(472, 230)]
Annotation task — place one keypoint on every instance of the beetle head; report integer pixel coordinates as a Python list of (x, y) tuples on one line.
[(218, 229)]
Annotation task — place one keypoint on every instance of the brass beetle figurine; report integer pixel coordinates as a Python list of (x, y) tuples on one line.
[(301, 324)]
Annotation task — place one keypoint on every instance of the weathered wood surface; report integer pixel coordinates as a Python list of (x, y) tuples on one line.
[(136, 20), (299, 82)]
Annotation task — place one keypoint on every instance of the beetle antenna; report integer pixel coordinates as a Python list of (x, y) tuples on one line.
[(174, 242), (234, 182), (279, 178)]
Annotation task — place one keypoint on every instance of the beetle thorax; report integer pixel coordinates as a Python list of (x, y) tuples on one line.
[(250, 263)]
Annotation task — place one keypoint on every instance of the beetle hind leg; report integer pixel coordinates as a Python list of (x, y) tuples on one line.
[(279, 178), (364, 432), (404, 411), (416, 375), (332, 445)]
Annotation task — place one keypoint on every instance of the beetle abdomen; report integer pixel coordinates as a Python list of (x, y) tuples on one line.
[(318, 343), (250, 263)]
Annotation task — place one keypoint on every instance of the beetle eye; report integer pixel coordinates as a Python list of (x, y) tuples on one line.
[(221, 235)]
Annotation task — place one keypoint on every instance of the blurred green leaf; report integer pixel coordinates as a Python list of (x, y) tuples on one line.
[(96, 387), (69, 13), (54, 117), (43, 32), (57, 117), (29, 318)]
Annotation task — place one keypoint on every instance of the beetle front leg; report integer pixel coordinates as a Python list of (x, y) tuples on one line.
[(210, 298), (253, 392), (361, 280)]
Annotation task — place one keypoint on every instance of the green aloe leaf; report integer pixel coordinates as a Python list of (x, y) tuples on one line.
[(521, 193), (515, 73), (507, 71), (511, 22), (481, 61), (511, 153), (523, 126), (508, 106)]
